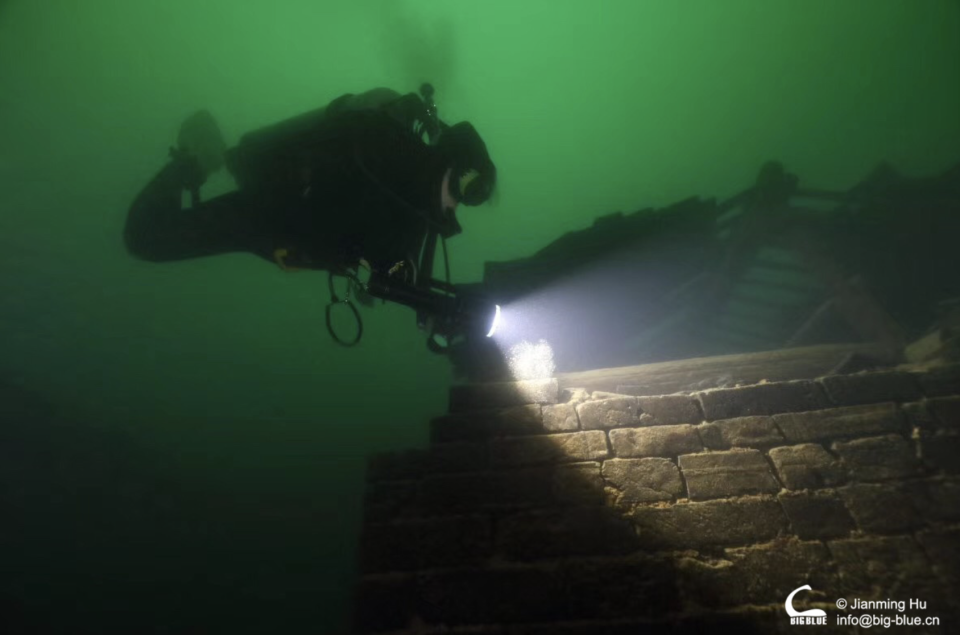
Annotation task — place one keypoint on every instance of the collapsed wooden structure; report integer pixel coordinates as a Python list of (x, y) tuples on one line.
[(776, 266)]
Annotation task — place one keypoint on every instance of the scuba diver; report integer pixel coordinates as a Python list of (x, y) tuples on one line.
[(369, 181)]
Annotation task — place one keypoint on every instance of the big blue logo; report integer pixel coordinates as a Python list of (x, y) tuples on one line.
[(810, 616)]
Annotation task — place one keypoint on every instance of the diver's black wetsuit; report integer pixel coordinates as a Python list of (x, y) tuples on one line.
[(328, 187), (159, 230)]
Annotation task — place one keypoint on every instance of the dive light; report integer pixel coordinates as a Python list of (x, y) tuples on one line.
[(451, 311)]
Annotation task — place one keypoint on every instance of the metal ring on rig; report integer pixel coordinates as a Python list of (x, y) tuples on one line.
[(356, 314)]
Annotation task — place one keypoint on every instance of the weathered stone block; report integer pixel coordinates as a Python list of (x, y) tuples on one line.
[(415, 463), (560, 418), (942, 546), (942, 381), (671, 409), (389, 500), (947, 412), (727, 474), (574, 531), (608, 413), (454, 542), (641, 390), (578, 484), (878, 567), (456, 493), (745, 574), (851, 421), (384, 603), (940, 452), (551, 448), (748, 432), (574, 395), (878, 458), (598, 395), (397, 466), (665, 441), (762, 399), (696, 525), (806, 466), (478, 426), (817, 515), (880, 509), (632, 587), (918, 415), (523, 488), (487, 396), (937, 499), (511, 595), (459, 493), (456, 457), (643, 480), (531, 487), (871, 387), (424, 544)]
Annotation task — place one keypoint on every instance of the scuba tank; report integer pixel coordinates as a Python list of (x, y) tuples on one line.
[(269, 158)]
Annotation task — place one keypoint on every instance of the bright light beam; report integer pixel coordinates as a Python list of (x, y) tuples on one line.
[(496, 322)]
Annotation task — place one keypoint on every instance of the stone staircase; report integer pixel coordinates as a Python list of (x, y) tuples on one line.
[(673, 498)]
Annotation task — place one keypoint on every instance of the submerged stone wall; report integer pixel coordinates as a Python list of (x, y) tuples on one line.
[(537, 510)]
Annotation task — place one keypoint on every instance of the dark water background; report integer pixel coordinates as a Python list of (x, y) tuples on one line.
[(191, 452)]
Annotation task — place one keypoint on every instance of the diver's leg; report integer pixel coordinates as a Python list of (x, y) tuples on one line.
[(159, 230)]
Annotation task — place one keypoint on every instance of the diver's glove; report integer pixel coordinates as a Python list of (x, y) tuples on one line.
[(189, 172), (200, 137), (359, 290)]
